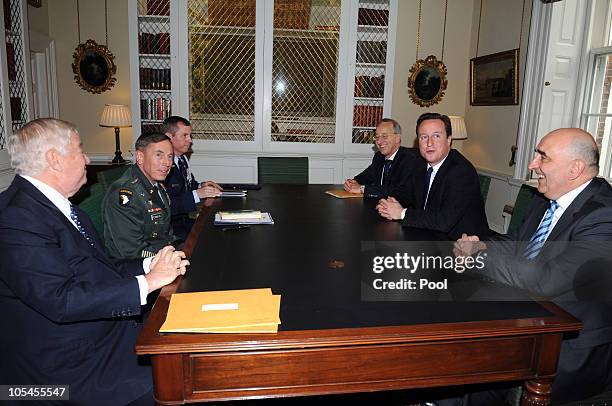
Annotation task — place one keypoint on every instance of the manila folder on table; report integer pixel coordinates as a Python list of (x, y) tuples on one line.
[(248, 310), (343, 194)]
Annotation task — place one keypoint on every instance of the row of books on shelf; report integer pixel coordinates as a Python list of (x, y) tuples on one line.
[(370, 86), (369, 16), (151, 78), (10, 61), (154, 7), (367, 116), (149, 43), (155, 109), (372, 52), (363, 136)]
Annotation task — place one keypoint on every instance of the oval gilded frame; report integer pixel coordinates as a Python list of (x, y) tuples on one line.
[(427, 81), (94, 67)]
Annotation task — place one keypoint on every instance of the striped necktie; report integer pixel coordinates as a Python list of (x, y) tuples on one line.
[(75, 218), (182, 163), (386, 172), (539, 237)]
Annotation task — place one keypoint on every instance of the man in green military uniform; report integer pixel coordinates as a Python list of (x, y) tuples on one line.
[(136, 208)]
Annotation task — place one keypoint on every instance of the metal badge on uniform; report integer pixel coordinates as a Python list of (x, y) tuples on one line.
[(156, 216), (124, 196)]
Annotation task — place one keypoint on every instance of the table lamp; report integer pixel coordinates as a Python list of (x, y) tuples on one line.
[(458, 126), (117, 116)]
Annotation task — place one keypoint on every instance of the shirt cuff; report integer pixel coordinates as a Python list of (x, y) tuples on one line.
[(146, 265), (196, 198), (143, 286), (403, 214)]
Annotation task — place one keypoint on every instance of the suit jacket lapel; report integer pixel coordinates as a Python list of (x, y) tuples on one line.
[(569, 213), (42, 199), (437, 180), (532, 221), (419, 182)]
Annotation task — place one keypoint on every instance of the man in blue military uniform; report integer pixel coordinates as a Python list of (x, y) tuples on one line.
[(136, 208), (185, 192)]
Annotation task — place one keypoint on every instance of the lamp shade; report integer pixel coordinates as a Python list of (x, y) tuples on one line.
[(458, 126), (116, 115)]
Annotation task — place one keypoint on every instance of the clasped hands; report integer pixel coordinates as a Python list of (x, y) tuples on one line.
[(352, 186), (209, 189), (165, 266), (390, 208)]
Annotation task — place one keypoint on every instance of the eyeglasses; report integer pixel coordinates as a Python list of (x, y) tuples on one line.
[(383, 137)]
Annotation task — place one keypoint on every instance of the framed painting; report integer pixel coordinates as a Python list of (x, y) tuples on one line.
[(494, 79)]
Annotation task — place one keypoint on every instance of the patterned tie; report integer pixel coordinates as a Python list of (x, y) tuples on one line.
[(426, 186), (539, 237), (75, 217), (386, 171), (182, 162)]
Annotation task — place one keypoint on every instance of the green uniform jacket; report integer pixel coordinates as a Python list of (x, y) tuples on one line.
[(136, 217)]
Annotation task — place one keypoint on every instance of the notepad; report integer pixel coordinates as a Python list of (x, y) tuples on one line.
[(266, 218), (233, 193), (239, 215), (343, 194), (227, 311)]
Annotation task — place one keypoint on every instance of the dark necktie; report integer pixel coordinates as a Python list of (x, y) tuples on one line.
[(426, 186), (156, 196), (182, 162), (539, 237), (386, 172), (75, 218)]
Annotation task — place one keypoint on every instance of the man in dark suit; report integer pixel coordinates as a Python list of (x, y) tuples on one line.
[(562, 252), (447, 195), (391, 168), (67, 308), (184, 191)]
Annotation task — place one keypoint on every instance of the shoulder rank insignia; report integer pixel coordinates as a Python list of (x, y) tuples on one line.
[(124, 196)]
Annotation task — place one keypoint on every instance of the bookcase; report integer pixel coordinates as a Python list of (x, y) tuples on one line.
[(370, 68), (15, 103), (265, 78), (154, 64)]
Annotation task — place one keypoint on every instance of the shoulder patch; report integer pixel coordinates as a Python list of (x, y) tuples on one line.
[(125, 195)]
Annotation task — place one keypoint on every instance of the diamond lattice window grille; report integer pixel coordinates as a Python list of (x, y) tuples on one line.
[(15, 64), (222, 69), (305, 70)]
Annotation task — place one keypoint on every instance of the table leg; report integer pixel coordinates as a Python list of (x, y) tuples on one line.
[(536, 392)]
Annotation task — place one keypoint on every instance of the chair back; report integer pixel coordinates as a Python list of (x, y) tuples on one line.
[(282, 170)]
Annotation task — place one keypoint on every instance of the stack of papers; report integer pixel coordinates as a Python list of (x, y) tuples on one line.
[(343, 194), (225, 311), (233, 193), (224, 218)]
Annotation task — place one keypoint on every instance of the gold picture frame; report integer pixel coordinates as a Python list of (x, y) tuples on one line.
[(94, 67), (427, 81), (494, 79)]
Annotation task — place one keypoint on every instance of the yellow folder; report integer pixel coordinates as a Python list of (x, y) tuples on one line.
[(343, 194), (252, 310)]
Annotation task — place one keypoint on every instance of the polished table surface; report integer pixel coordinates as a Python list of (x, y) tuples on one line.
[(331, 340)]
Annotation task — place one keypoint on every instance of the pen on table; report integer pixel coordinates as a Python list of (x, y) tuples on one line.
[(235, 228)]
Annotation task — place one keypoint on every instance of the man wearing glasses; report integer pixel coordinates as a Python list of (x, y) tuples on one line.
[(389, 173), (447, 195)]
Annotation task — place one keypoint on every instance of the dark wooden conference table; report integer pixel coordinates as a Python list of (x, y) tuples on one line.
[(331, 340)]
